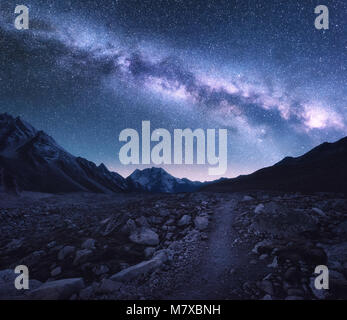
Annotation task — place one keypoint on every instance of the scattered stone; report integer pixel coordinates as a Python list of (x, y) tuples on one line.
[(99, 270), (149, 252), (266, 286), (137, 270), (55, 272), (89, 244), (319, 211), (145, 236), (66, 251), (274, 263), (185, 220), (259, 208), (108, 286), (57, 290), (201, 223), (82, 256)]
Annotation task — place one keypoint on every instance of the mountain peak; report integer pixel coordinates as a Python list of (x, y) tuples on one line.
[(159, 180)]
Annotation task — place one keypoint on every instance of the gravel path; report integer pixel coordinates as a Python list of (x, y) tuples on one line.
[(211, 281)]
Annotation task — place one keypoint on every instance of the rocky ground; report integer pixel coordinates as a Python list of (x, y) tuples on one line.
[(179, 246)]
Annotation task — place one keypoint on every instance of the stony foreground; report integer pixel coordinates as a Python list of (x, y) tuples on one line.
[(183, 246)]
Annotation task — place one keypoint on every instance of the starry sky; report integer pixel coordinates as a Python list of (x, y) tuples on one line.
[(86, 70)]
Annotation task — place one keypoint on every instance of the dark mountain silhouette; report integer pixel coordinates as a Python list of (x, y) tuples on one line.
[(324, 168), (38, 163), (31, 160)]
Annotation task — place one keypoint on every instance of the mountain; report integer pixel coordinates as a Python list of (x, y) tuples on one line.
[(324, 168), (158, 180), (38, 163)]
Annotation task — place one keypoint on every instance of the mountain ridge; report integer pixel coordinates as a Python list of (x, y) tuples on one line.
[(38, 163), (323, 168)]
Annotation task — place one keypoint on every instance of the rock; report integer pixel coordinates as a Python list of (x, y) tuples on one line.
[(161, 255), (261, 244), (108, 286), (333, 274), (8, 291), (274, 263), (263, 256), (51, 244), (201, 223), (247, 198), (145, 236), (99, 270), (55, 272), (66, 251), (164, 212), (337, 252), (185, 220), (169, 235), (137, 270), (267, 297), (129, 227), (142, 221), (340, 228), (86, 293), (259, 208), (89, 244), (7, 275), (149, 252), (57, 290), (266, 286), (14, 244), (319, 211), (82, 256)]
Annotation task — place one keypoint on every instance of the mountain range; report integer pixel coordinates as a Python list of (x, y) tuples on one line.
[(324, 168), (38, 163)]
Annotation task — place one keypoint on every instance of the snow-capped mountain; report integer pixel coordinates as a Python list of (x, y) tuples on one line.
[(158, 180), (38, 163)]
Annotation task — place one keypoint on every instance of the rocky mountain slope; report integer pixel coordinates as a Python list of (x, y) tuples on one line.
[(38, 163), (158, 180), (324, 168)]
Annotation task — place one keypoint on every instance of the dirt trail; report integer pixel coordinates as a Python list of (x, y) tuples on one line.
[(212, 279)]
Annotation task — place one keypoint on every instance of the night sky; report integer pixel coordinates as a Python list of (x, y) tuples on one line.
[(86, 70)]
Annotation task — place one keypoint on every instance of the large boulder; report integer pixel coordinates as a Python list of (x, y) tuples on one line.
[(137, 270), (58, 290), (185, 220), (145, 236), (8, 290)]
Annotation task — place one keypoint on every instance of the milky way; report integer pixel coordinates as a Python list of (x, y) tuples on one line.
[(86, 70)]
